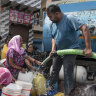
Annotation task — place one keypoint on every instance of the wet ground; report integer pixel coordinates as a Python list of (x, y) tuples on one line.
[(88, 89)]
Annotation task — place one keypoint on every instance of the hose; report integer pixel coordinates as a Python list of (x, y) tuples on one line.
[(46, 60), (66, 52), (74, 51)]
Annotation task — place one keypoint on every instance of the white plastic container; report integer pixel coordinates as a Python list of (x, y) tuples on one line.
[(26, 77), (26, 87), (12, 90)]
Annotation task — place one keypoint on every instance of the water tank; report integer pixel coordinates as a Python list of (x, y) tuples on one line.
[(80, 74)]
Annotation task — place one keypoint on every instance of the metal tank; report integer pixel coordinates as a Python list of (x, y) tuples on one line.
[(86, 11)]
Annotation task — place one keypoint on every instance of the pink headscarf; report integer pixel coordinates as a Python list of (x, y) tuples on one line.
[(5, 76), (14, 43)]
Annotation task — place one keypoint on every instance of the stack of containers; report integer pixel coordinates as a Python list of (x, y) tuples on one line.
[(12, 90), (26, 87)]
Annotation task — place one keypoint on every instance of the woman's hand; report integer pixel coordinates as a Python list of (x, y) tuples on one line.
[(33, 60), (37, 62), (23, 70), (13, 79), (1, 86), (34, 69)]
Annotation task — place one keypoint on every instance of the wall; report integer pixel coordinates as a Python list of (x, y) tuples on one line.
[(4, 25), (38, 36), (20, 29)]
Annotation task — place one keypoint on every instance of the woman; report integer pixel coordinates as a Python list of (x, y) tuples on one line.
[(16, 56), (31, 51), (5, 47), (34, 54), (5, 77)]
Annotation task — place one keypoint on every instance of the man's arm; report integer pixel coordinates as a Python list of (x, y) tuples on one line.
[(53, 46), (87, 51)]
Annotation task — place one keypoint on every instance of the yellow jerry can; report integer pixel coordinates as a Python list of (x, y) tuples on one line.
[(33, 92), (40, 84), (59, 94)]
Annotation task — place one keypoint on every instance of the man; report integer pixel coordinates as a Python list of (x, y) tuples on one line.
[(64, 36)]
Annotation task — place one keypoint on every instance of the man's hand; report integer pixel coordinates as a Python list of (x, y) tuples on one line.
[(51, 53), (87, 52), (53, 47), (86, 33)]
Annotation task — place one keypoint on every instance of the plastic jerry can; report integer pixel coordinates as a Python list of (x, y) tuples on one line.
[(59, 94), (51, 93), (40, 84), (34, 92)]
